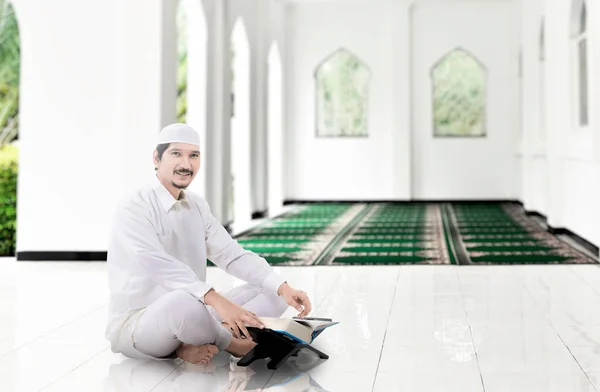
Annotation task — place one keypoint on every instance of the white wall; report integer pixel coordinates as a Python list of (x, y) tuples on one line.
[(349, 168), (381, 166), (90, 115), (560, 172), (462, 168)]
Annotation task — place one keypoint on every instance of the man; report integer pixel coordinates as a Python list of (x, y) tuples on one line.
[(161, 306)]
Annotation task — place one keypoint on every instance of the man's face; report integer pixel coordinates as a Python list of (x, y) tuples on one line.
[(179, 164)]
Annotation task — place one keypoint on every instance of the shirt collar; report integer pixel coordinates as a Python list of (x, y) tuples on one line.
[(164, 196)]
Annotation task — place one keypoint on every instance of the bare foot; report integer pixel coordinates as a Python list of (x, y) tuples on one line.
[(197, 354), (240, 347)]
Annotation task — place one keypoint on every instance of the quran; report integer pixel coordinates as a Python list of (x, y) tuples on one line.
[(304, 330), (284, 337)]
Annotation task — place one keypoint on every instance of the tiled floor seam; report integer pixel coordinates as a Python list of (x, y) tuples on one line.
[(387, 324), (562, 340), (462, 295)]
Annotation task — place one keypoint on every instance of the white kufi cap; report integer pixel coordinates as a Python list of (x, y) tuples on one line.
[(179, 133)]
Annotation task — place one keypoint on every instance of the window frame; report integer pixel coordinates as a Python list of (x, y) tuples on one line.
[(319, 66), (580, 77), (485, 133)]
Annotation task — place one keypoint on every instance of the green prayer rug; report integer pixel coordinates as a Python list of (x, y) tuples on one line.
[(299, 236), (504, 234), (407, 233), (394, 234)]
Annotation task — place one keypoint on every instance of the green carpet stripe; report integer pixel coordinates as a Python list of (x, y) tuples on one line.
[(393, 231), (383, 249), (524, 259), (501, 248), (277, 259), (500, 240), (278, 249), (379, 259), (269, 241), (383, 240)]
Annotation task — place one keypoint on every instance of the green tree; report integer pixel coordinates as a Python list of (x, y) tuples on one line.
[(8, 199), (10, 56)]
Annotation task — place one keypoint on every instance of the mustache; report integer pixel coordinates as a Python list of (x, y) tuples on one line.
[(183, 171)]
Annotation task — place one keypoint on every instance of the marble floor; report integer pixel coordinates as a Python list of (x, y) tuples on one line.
[(407, 328)]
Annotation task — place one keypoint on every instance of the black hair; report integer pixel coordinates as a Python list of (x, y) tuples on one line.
[(161, 148)]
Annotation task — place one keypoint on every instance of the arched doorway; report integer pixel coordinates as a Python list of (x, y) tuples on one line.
[(191, 77), (275, 142)]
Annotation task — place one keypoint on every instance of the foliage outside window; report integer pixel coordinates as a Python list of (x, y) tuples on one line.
[(459, 95), (9, 155), (10, 56), (542, 41), (342, 83), (182, 49)]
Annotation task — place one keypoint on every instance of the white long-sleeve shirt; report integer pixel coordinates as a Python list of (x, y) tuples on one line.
[(159, 244)]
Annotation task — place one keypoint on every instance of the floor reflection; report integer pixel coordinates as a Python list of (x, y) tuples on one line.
[(221, 375)]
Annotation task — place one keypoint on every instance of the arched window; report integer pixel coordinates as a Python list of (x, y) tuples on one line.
[(459, 95), (579, 39), (542, 81), (542, 41), (275, 132), (190, 76), (342, 95), (182, 51), (240, 141)]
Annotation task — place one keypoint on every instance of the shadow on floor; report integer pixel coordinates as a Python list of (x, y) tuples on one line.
[(221, 375)]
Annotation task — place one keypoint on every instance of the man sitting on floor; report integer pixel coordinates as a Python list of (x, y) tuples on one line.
[(161, 306)]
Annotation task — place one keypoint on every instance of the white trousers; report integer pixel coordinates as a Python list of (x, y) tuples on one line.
[(178, 318)]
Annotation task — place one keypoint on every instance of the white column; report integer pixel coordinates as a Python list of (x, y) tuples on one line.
[(169, 62), (259, 90), (558, 104), (69, 165), (217, 114)]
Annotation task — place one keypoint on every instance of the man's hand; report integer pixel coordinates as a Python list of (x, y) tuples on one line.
[(295, 298), (233, 314)]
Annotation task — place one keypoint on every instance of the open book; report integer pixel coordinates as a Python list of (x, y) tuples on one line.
[(304, 330)]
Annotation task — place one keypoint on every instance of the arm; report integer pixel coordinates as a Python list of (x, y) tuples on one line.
[(138, 239), (227, 254)]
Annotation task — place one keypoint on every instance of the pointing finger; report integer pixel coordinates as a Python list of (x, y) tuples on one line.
[(307, 305)]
